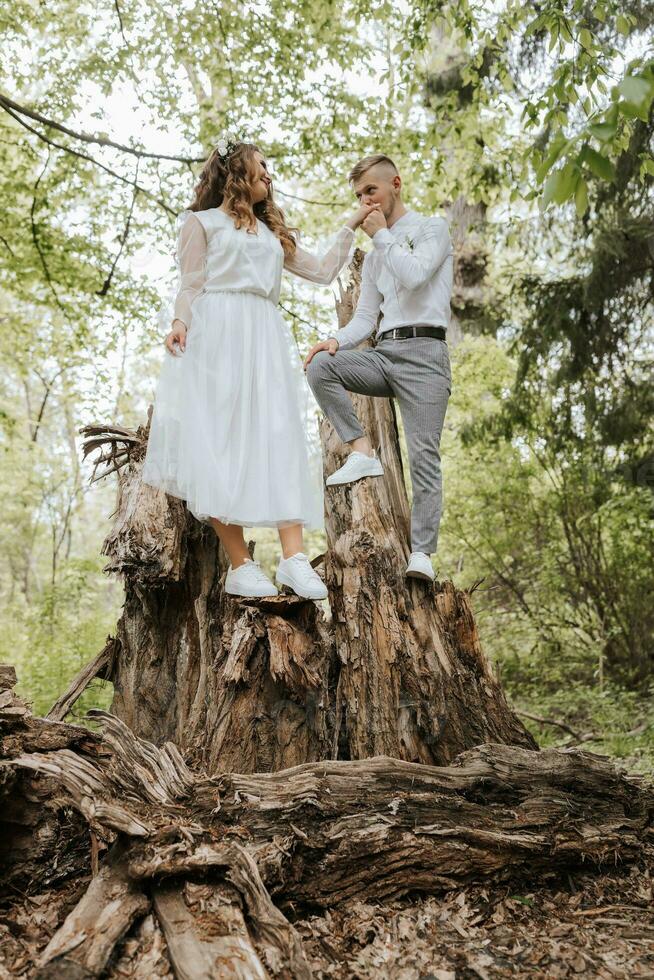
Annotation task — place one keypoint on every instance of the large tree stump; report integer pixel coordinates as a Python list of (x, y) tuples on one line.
[(260, 685)]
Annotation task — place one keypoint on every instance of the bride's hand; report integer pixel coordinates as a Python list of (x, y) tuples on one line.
[(176, 336), (361, 214)]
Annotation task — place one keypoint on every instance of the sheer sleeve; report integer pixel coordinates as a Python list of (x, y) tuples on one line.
[(190, 258), (325, 267), (366, 316)]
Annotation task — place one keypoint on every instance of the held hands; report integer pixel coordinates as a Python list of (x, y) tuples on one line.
[(177, 336), (331, 345), (360, 215), (374, 220)]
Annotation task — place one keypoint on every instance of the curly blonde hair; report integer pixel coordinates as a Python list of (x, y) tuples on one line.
[(228, 181)]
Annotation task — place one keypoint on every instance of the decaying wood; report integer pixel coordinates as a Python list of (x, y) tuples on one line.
[(231, 853), (84, 944), (213, 939), (381, 827), (144, 955), (196, 956), (7, 677), (41, 841), (116, 444), (100, 666)]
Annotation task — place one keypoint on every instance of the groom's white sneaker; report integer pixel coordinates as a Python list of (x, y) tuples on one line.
[(297, 573), (249, 580), (356, 466), (420, 566)]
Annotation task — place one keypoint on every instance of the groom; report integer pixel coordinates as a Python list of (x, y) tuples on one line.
[(407, 278)]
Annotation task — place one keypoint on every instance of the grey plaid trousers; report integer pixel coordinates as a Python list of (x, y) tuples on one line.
[(416, 372)]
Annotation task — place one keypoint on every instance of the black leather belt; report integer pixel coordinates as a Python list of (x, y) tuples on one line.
[(399, 333)]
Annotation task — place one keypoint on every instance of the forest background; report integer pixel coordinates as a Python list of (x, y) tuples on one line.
[(538, 117)]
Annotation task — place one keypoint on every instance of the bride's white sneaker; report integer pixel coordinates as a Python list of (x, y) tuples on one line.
[(356, 466), (297, 573), (420, 566), (249, 580)]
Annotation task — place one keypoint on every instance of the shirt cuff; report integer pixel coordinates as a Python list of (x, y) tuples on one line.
[(342, 341), (382, 237)]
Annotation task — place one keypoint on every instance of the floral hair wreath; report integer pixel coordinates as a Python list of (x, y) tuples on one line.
[(226, 144)]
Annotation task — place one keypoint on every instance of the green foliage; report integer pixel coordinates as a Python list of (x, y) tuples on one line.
[(562, 544), (61, 629), (621, 720)]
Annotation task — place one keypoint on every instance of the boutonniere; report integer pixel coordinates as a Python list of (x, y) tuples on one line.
[(409, 243)]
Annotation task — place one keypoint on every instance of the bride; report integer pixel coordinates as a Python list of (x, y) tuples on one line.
[(230, 426)]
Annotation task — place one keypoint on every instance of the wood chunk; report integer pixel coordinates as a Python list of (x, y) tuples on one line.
[(7, 677), (85, 942), (195, 953), (100, 666)]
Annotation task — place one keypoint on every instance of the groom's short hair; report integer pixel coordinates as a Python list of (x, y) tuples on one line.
[(372, 161)]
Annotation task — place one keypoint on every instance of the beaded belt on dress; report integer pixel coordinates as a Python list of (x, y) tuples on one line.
[(219, 289)]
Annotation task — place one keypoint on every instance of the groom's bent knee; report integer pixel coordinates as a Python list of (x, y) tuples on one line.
[(318, 367)]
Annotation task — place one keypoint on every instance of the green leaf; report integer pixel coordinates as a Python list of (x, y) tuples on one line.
[(565, 31), (622, 24), (631, 111), (557, 145), (603, 131), (535, 25), (600, 165), (581, 198), (561, 184), (634, 89), (585, 38)]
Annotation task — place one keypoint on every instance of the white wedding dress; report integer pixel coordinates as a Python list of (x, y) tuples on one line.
[(231, 430)]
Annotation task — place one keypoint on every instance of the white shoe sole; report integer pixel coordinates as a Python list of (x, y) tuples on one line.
[(377, 471), (250, 595), (286, 580), (421, 575)]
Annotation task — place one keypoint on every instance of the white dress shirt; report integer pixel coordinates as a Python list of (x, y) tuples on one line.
[(407, 276)]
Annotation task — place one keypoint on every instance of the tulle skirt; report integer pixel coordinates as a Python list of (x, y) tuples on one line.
[(234, 431)]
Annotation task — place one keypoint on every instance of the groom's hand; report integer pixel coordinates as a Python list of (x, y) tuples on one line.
[(362, 212), (374, 221), (331, 345)]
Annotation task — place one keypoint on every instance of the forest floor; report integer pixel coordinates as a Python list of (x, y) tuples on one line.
[(588, 923)]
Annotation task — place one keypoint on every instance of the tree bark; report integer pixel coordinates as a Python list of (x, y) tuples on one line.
[(229, 859), (262, 685)]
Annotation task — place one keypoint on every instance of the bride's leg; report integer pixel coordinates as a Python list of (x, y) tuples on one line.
[(291, 539), (232, 540)]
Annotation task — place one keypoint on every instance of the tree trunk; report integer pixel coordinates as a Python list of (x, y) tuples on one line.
[(261, 685)]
